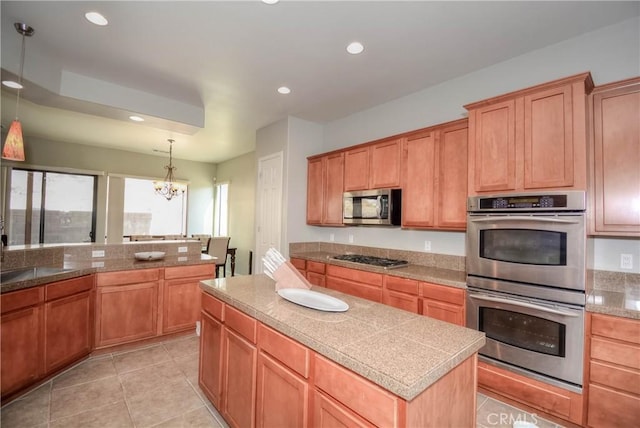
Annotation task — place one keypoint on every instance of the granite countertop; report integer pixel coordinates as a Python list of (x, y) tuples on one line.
[(400, 351), (76, 268), (452, 278), (613, 293)]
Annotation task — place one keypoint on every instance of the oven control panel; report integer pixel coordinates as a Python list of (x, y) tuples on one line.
[(573, 200)]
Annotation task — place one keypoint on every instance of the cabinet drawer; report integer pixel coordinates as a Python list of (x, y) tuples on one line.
[(615, 352), (609, 408), (287, 351), (403, 285), (401, 301), (442, 293), (357, 289), (241, 323), (366, 399), (316, 279), (300, 264), (179, 272), (127, 277), (316, 267), (68, 287), (21, 299), (369, 278), (615, 377), (616, 328), (212, 306)]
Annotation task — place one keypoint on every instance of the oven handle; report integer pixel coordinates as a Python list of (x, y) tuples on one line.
[(524, 304), (523, 218)]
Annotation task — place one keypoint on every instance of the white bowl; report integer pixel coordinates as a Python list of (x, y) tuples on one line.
[(150, 255)]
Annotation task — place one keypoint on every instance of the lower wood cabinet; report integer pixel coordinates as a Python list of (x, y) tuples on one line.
[(401, 293), (614, 371), (329, 413), (210, 368), (367, 285), (239, 380), (316, 273), (443, 303), (181, 296)]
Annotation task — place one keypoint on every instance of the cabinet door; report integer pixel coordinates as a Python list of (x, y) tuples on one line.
[(329, 413), (333, 190), (125, 313), (238, 392), (548, 139), (443, 311), (181, 304), (210, 371), (492, 148), (608, 408), (419, 156), (21, 351), (617, 159), (315, 176), (68, 330), (451, 193), (356, 169), (282, 396), (316, 279), (385, 159)]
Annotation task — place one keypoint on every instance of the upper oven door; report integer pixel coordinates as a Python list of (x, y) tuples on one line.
[(546, 249)]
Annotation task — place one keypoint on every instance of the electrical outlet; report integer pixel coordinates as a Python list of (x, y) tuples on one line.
[(350, 239), (183, 259), (97, 253), (427, 245), (626, 261), (182, 249), (332, 237), (97, 264)]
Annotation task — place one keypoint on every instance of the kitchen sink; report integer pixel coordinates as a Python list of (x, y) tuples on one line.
[(23, 274)]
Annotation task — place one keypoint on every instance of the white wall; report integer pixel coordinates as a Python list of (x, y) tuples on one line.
[(611, 53)]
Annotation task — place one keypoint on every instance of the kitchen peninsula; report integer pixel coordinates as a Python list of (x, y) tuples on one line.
[(267, 361)]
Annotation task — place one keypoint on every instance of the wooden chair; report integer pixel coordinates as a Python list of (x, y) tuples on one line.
[(218, 247)]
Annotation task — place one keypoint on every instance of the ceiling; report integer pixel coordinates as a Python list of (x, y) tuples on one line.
[(205, 73)]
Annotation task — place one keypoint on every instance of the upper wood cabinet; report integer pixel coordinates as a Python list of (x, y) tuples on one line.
[(325, 178), (615, 182), (530, 139), (434, 182), (373, 166)]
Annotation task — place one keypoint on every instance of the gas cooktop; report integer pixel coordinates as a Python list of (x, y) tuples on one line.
[(372, 260)]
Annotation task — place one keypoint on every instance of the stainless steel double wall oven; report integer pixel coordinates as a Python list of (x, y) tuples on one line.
[(526, 282)]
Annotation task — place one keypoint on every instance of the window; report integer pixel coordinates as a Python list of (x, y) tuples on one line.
[(51, 207), (221, 210), (146, 213)]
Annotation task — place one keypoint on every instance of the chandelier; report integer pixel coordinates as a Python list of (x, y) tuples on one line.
[(169, 188)]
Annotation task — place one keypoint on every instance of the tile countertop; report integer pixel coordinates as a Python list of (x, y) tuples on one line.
[(613, 293), (452, 278), (400, 351), (73, 269)]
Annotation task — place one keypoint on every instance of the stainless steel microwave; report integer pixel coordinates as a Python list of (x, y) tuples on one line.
[(372, 207)]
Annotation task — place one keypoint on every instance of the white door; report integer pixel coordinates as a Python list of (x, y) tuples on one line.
[(269, 212)]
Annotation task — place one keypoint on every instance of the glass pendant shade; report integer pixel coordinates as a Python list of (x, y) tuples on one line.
[(14, 146)]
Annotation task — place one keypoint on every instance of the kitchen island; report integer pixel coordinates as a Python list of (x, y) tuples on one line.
[(372, 364)]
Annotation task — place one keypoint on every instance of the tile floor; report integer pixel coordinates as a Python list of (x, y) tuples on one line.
[(157, 386)]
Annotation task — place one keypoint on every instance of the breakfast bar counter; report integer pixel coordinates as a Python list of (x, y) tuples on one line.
[(402, 352)]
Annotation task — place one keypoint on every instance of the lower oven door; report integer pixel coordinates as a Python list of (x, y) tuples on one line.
[(542, 338)]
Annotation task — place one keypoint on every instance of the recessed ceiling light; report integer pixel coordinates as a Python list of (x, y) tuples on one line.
[(136, 118), (284, 90), (12, 84), (270, 1), (96, 18), (355, 48)]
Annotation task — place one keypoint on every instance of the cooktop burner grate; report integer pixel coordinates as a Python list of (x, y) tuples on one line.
[(372, 260)]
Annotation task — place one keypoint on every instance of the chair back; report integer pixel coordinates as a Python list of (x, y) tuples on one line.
[(204, 240), (218, 247)]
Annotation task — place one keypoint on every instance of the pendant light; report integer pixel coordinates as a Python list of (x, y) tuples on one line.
[(14, 146), (169, 188)]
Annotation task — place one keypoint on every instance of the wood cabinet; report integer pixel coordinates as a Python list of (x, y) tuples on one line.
[(401, 293), (68, 322), (126, 306), (443, 303), (530, 139), (211, 347), (21, 339), (325, 182), (316, 273), (373, 166), (367, 285), (614, 371), (181, 296), (434, 182), (282, 382), (615, 149), (300, 264)]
